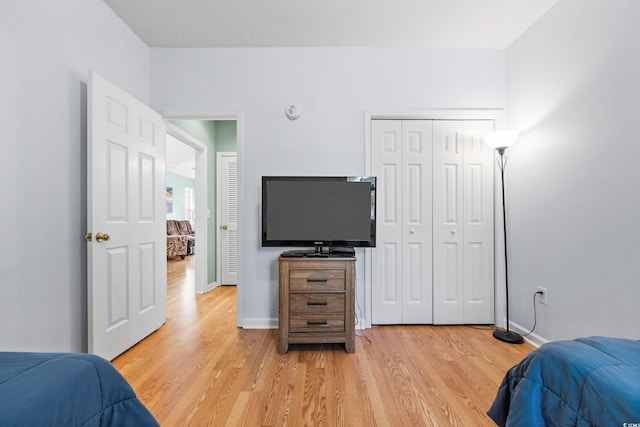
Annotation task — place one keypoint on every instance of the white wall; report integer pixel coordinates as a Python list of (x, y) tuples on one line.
[(573, 177), (47, 49), (334, 87)]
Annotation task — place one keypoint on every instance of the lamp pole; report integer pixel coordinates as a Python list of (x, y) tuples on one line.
[(507, 335)]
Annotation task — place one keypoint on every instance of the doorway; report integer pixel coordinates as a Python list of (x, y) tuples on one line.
[(190, 146), (218, 133)]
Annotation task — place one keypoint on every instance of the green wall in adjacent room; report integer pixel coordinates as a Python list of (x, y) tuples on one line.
[(226, 136), (217, 136), (178, 183)]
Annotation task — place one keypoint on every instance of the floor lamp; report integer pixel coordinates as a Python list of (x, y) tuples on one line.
[(500, 141)]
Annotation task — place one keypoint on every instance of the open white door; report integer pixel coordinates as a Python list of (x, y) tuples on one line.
[(126, 239), (228, 213)]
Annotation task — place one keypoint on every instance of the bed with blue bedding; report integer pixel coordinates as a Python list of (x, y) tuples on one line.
[(66, 389), (584, 382)]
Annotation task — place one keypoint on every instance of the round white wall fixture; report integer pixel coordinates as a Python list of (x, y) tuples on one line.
[(293, 112)]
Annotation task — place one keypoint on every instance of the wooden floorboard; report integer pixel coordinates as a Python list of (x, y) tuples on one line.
[(199, 369)]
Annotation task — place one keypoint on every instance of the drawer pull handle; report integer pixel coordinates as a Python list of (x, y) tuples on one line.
[(317, 280), (316, 322), (316, 303)]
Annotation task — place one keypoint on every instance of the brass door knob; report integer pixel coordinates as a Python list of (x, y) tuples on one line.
[(224, 227), (102, 237), (88, 237)]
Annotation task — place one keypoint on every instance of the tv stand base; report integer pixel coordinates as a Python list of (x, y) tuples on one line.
[(321, 252)]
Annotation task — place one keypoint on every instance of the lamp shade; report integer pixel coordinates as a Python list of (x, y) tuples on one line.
[(502, 139)]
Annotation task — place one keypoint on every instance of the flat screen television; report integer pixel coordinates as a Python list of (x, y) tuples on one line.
[(321, 212)]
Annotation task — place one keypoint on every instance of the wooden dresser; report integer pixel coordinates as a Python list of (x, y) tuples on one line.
[(317, 297)]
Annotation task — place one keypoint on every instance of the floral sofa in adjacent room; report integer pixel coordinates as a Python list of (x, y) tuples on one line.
[(176, 242), (184, 227)]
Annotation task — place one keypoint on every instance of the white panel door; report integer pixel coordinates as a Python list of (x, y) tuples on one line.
[(401, 159), (228, 210), (478, 217), (125, 194), (462, 223), (447, 227), (386, 293)]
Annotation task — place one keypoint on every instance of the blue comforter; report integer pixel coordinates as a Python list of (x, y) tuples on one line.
[(66, 389), (586, 382)]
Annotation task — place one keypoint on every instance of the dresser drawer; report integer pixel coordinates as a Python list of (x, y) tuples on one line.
[(316, 280), (329, 322), (316, 303)]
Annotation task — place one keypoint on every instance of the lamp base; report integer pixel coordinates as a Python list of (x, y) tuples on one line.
[(508, 336)]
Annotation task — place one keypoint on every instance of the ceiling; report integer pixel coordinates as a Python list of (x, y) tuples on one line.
[(472, 24)]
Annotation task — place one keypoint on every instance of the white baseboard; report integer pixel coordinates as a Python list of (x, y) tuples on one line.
[(259, 323), (211, 286), (272, 323), (533, 339)]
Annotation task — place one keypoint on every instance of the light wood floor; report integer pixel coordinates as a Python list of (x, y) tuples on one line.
[(199, 369)]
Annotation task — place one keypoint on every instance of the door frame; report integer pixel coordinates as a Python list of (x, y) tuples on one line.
[(497, 115), (201, 268), (238, 117)]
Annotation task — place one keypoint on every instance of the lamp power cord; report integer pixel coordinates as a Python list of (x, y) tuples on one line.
[(535, 319), (535, 314)]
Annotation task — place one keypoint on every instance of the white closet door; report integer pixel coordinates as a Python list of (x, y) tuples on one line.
[(478, 224), (386, 292), (462, 223), (228, 207), (417, 221), (402, 260), (447, 223)]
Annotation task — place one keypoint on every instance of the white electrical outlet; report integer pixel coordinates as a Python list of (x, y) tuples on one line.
[(542, 298)]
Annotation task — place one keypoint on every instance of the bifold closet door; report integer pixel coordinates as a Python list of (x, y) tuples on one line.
[(462, 223), (402, 259)]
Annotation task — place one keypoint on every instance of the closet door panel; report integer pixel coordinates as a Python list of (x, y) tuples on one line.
[(417, 166), (402, 272), (448, 229), (478, 169), (386, 292)]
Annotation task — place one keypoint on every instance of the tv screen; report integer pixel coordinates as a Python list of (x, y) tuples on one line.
[(318, 211)]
